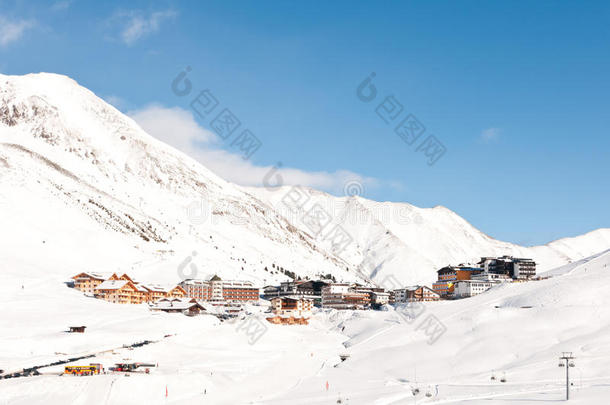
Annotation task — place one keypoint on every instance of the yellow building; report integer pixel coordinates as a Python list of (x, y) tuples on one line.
[(87, 282), (123, 289), (118, 292)]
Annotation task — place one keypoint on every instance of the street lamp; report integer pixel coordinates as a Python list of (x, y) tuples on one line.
[(567, 357)]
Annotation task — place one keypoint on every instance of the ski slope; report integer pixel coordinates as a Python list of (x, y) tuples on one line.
[(514, 331)]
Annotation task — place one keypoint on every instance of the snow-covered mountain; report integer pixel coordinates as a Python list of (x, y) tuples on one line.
[(82, 186), (409, 243), (80, 176)]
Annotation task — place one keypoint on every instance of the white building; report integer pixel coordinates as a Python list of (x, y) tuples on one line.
[(470, 288), (523, 268), (491, 277), (341, 296), (220, 292), (380, 298), (415, 293)]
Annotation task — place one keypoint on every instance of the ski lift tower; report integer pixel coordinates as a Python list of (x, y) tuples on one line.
[(568, 358)]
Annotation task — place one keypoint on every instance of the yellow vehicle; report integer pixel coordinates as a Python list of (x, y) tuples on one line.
[(84, 370)]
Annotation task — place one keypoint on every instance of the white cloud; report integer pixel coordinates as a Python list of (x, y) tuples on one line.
[(138, 25), (11, 31), (61, 5), (490, 134), (177, 127)]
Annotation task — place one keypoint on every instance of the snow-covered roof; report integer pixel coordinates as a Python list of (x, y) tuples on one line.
[(175, 303), (96, 275), (293, 297), (112, 285), (140, 288), (159, 288)]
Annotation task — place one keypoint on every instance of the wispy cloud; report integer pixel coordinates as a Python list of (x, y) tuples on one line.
[(61, 5), (177, 127), (12, 30), (490, 134), (116, 101), (136, 24)]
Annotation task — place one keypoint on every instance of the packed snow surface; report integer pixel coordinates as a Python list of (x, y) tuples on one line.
[(514, 332)]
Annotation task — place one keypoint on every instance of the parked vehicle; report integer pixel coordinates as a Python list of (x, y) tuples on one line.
[(93, 368)]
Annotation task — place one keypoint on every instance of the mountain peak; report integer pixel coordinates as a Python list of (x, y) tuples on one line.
[(76, 155)]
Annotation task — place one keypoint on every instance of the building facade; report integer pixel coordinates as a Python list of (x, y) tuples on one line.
[(470, 288), (523, 269), (119, 292), (122, 289), (448, 276), (301, 288), (491, 277), (87, 282), (187, 306), (513, 267), (379, 298), (219, 292), (295, 306), (415, 293), (342, 296)]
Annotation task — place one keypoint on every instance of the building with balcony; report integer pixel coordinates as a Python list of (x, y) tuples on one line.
[(295, 306), (513, 267), (416, 293), (219, 292), (470, 288), (449, 275), (88, 281), (343, 296)]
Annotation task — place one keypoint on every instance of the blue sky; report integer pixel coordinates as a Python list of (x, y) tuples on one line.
[(517, 93)]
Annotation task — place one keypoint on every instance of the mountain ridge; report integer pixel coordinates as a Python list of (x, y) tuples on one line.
[(129, 183)]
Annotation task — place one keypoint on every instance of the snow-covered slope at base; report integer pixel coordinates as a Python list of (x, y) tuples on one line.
[(410, 243), (515, 331)]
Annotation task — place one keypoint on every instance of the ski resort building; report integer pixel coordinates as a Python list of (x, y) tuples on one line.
[(219, 292), (415, 293), (513, 267), (343, 296), (491, 277), (187, 306), (87, 282), (294, 306), (379, 298), (449, 275), (119, 292), (123, 289), (300, 288), (523, 269), (470, 288)]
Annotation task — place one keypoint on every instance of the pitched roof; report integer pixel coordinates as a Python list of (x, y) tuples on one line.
[(162, 288), (112, 285), (140, 288), (292, 297), (95, 275), (156, 288), (176, 304)]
